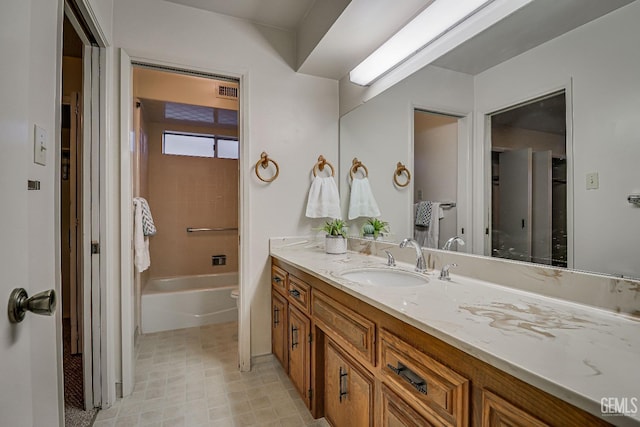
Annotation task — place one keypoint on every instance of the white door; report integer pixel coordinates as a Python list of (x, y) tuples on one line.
[(541, 215), (28, 394), (515, 204)]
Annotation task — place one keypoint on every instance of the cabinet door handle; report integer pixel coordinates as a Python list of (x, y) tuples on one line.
[(294, 293), (343, 386), (276, 317), (294, 338), (409, 376)]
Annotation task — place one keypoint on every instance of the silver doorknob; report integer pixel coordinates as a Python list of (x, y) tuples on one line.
[(43, 303)]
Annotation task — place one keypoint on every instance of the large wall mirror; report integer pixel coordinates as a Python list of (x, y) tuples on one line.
[(546, 140)]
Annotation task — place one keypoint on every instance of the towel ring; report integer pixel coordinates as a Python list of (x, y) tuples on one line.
[(399, 169), (264, 162), (322, 162), (355, 165)]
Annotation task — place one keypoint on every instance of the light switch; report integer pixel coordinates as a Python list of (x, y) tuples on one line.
[(40, 146), (592, 181)]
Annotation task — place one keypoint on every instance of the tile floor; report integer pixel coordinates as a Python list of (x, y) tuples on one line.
[(189, 377)]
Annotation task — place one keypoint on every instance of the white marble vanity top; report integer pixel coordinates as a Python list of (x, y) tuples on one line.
[(575, 352)]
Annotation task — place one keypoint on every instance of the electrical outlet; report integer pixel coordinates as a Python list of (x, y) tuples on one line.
[(592, 181)]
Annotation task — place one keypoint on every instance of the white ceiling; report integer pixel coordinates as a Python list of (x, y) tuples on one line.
[(284, 14), (333, 42)]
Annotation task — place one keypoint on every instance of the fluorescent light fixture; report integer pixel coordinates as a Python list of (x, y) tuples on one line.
[(431, 23)]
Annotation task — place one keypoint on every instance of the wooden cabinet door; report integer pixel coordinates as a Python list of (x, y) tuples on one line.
[(300, 352), (395, 412), (279, 329), (348, 390), (498, 412)]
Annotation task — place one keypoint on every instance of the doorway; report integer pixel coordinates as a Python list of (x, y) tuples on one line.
[(185, 157), (437, 178), (529, 181)]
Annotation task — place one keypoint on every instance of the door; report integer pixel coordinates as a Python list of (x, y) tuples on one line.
[(300, 352), (75, 243), (515, 205), (348, 391), (279, 328), (541, 215), (28, 372)]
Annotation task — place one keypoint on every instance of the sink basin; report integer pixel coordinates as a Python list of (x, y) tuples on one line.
[(384, 277)]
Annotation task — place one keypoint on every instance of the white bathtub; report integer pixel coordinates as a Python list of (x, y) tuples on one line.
[(187, 301)]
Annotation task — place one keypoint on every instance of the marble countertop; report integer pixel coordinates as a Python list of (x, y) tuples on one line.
[(577, 353)]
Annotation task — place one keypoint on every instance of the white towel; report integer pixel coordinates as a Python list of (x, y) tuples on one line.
[(433, 235), (142, 259), (148, 226), (362, 202), (324, 200)]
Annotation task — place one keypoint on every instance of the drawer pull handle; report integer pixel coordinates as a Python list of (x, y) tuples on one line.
[(277, 279), (276, 317), (343, 386), (411, 377), (294, 293), (294, 338)]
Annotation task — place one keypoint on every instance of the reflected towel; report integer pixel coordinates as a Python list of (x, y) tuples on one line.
[(428, 235), (362, 202), (148, 226), (324, 200), (422, 213), (433, 235), (142, 259)]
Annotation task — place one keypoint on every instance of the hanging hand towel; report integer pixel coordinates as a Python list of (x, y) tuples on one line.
[(148, 227), (422, 213), (434, 225), (324, 201), (142, 259), (362, 202)]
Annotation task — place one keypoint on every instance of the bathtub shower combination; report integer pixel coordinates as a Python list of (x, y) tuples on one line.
[(188, 301)]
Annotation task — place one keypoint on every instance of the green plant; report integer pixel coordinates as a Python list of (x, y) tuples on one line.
[(335, 227), (377, 226)]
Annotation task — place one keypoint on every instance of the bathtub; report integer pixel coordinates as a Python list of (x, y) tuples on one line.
[(188, 301)]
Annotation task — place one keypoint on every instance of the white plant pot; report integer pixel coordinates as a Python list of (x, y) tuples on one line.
[(335, 245)]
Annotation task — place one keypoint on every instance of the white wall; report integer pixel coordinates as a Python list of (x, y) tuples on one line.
[(291, 116), (600, 63), (380, 134)]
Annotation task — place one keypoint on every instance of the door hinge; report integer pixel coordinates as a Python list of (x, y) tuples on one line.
[(486, 231), (95, 248), (310, 393), (310, 337)]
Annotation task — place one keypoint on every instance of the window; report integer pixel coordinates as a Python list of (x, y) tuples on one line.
[(198, 145)]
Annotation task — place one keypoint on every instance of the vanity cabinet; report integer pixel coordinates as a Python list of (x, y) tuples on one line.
[(348, 389), (291, 329), (365, 367)]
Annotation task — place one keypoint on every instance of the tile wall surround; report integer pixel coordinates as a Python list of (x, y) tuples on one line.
[(599, 291)]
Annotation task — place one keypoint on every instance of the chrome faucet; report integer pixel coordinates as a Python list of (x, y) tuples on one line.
[(451, 241), (391, 261), (421, 264), (444, 273)]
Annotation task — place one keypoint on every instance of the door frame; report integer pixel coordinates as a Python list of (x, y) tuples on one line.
[(126, 217), (482, 160), (96, 368)]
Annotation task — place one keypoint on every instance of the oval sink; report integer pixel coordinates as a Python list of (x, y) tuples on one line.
[(384, 277)]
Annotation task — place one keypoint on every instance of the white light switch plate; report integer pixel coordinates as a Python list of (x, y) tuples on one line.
[(40, 146), (592, 181)]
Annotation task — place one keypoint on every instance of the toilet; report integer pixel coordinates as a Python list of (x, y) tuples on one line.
[(235, 294)]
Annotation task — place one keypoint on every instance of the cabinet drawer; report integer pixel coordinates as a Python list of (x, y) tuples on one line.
[(397, 413), (437, 389), (345, 326), (299, 293), (279, 279), (498, 412)]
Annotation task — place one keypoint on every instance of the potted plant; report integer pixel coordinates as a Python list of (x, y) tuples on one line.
[(336, 240), (374, 228)]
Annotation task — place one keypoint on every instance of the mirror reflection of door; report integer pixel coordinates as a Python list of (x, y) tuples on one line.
[(436, 175), (529, 182)]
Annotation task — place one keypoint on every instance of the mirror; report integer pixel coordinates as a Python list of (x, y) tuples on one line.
[(591, 64)]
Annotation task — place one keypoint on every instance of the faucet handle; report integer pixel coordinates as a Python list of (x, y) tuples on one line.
[(391, 261), (444, 273)]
